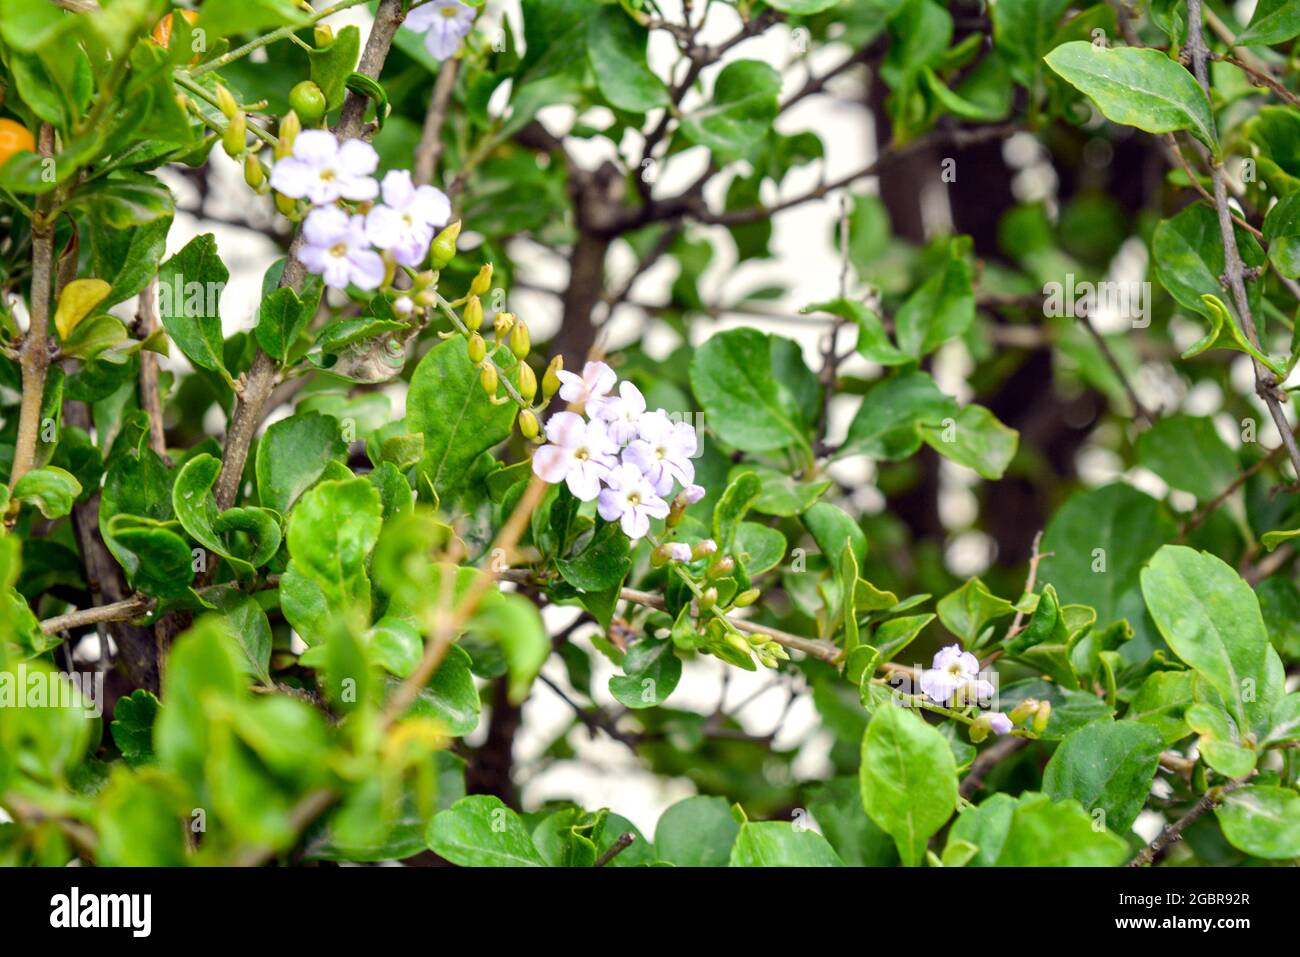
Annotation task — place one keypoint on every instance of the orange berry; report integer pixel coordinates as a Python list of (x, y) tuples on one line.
[(162, 30), (14, 138)]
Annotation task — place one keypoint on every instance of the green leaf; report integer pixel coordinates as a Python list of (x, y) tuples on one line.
[(696, 832), (1041, 833), (908, 779), (739, 113), (976, 439), (942, 308), (1137, 87), (781, 844), (515, 624), (51, 489), (224, 18), (293, 454), (1106, 766), (831, 527), (1284, 727), (651, 672), (450, 697), (837, 806), (480, 831), (616, 45), (246, 620), (731, 508), (189, 292), (781, 494), (760, 548), (746, 404), (1187, 251), (1263, 821), (1282, 227), (602, 563), (1188, 454), (76, 302), (132, 727), (873, 341), (156, 558), (967, 610), (889, 420), (332, 64), (331, 532), (281, 320), (1211, 620), (447, 404), (1023, 30), (1226, 334), (1093, 548), (1161, 702), (1273, 22), (801, 8), (196, 508)]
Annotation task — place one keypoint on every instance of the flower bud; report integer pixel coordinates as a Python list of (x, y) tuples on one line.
[(443, 248), (290, 127), (423, 280), (488, 379), (477, 348), (502, 324), (226, 102), (254, 175), (980, 728), (661, 555), (1043, 716), (721, 568), (527, 382), (1025, 710), (528, 426), (747, 598), (233, 141), (482, 282), (403, 306), (691, 494), (473, 314), (708, 599), (706, 547), (551, 378), (737, 642), (519, 340), (286, 205), (324, 35)]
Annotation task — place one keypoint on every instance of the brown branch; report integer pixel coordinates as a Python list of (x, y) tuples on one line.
[(429, 150), (1173, 833), (35, 355), (262, 375), (146, 320), (623, 842), (124, 610), (1234, 269)]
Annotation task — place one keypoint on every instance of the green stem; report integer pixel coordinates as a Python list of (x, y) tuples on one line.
[(184, 81), (464, 330)]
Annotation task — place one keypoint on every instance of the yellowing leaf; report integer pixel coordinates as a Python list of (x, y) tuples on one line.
[(78, 299)]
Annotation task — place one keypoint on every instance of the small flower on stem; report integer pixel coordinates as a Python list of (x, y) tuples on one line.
[(589, 388), (337, 249), (579, 454), (630, 499), (444, 23), (405, 223), (323, 171), (954, 676)]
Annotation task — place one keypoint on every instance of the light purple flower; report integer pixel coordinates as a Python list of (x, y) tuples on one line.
[(706, 547), (622, 413), (954, 671), (323, 171), (662, 450), (999, 723), (409, 217), (444, 23), (630, 499), (337, 250), (679, 552), (403, 305), (589, 389), (580, 454)]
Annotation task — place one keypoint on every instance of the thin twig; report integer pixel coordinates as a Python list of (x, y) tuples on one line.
[(1173, 833), (124, 610), (623, 842), (146, 318)]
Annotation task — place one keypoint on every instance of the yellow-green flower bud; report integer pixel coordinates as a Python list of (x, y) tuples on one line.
[(482, 282), (747, 598), (477, 348), (737, 642), (551, 378), (1023, 711), (708, 599), (528, 426), (226, 102), (324, 35), (721, 568), (502, 324), (527, 381), (234, 139), (519, 340), (980, 728), (443, 249), (1043, 716), (290, 127), (286, 205), (488, 379), (254, 175), (473, 313)]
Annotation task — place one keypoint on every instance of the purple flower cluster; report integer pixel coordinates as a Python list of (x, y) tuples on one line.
[(954, 676), (343, 245), (622, 455)]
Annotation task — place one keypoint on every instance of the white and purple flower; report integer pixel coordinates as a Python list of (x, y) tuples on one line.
[(444, 23), (955, 675), (622, 413), (324, 171), (631, 500), (579, 453), (663, 450), (589, 389), (336, 249), (407, 220)]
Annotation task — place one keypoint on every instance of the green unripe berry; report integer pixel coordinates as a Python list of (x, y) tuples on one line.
[(308, 101)]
